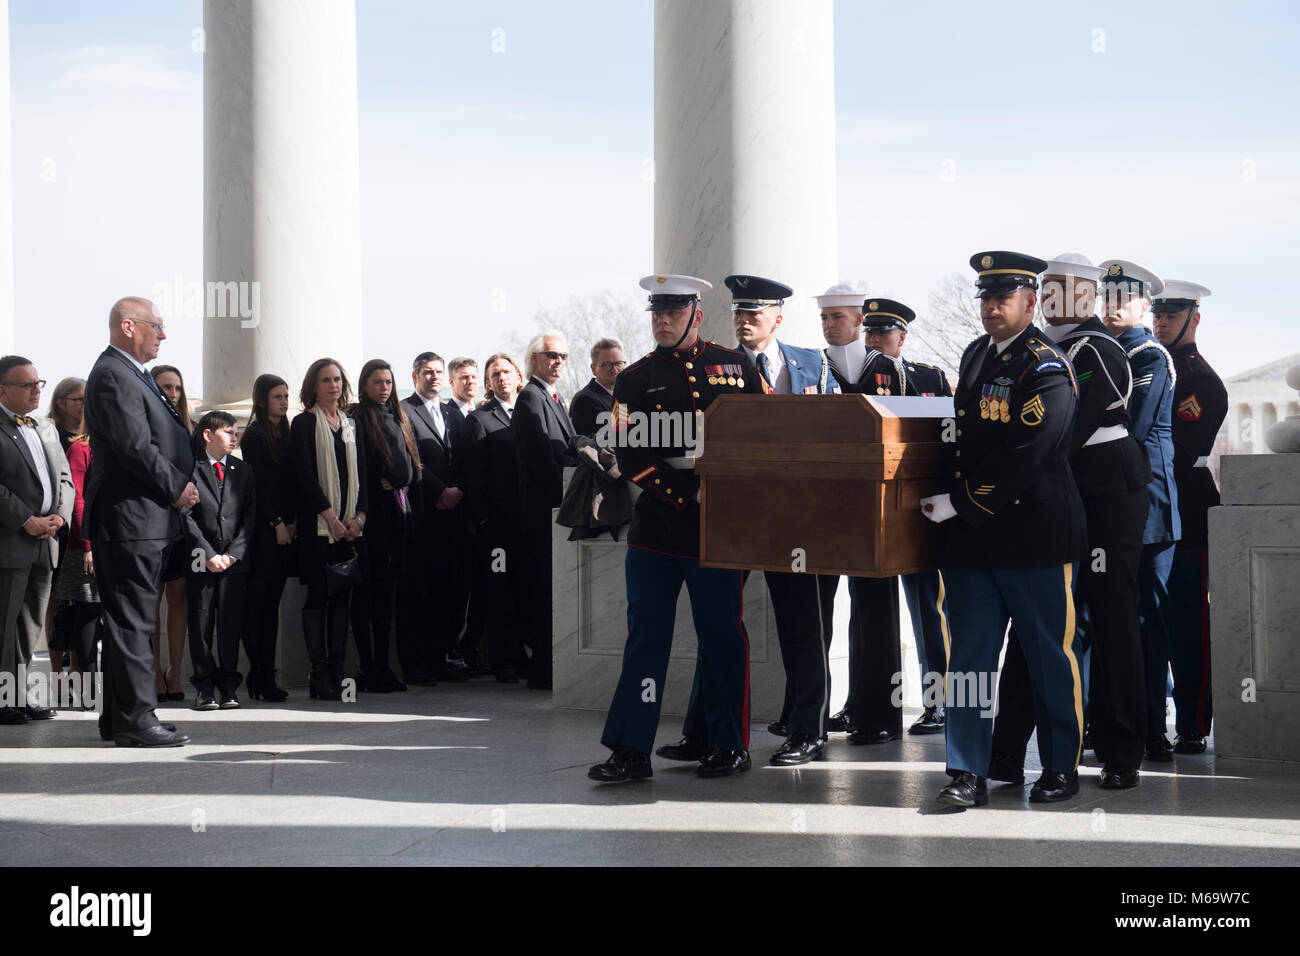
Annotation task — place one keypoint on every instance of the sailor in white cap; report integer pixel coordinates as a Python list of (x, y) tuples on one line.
[(1127, 289), (1200, 406), (1111, 471)]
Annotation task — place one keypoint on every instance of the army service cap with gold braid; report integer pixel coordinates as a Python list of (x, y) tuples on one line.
[(673, 291), (886, 314), (1000, 272)]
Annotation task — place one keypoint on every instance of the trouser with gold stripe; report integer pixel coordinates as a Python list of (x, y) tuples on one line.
[(981, 602)]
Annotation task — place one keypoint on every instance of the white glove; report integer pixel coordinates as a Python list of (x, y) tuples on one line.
[(938, 508)]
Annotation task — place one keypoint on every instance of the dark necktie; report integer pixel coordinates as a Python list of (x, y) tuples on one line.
[(762, 368)]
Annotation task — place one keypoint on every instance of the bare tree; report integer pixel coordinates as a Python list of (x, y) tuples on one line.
[(585, 320), (952, 323)]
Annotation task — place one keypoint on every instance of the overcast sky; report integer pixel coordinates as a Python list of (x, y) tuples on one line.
[(1166, 133)]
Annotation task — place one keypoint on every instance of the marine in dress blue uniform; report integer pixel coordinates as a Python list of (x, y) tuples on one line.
[(1014, 534), (683, 375), (796, 598), (1127, 290), (1111, 470), (1200, 406), (887, 323)]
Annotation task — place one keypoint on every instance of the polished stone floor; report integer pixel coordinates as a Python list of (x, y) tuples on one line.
[(483, 774)]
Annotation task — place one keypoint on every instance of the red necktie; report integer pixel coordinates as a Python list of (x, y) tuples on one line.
[(556, 396), (220, 469)]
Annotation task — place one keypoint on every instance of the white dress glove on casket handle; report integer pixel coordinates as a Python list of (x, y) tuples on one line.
[(938, 508)]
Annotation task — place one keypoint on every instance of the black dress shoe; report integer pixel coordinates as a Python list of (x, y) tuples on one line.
[(966, 790), (45, 713), (1190, 745), (13, 715), (538, 684), (229, 701), (866, 736), (724, 763), (1118, 778), (931, 721), (1054, 787), (623, 764), (108, 734), (421, 677), (688, 748), (1159, 749), (841, 723), (1006, 769), (157, 736), (778, 728), (205, 701), (507, 675), (799, 749)]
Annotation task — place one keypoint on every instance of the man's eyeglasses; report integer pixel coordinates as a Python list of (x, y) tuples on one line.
[(30, 386), (614, 366), (556, 356), (158, 327)]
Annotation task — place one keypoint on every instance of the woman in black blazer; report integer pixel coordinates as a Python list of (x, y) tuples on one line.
[(265, 447), (493, 497), (329, 464), (392, 467)]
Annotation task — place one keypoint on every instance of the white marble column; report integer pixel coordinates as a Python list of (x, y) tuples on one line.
[(6, 193), (744, 99), (281, 192)]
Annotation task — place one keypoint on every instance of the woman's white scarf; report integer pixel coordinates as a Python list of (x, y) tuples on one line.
[(327, 469)]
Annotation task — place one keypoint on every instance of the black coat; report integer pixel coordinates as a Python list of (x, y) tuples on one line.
[(492, 470), (273, 477), (311, 500), (143, 457), (222, 521), (1011, 483), (386, 526), (585, 409), (1200, 406), (542, 435), (438, 533)]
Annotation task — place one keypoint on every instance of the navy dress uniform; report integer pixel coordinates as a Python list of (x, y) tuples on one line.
[(1200, 406), (922, 590), (1015, 532), (796, 598), (1151, 412), (1111, 470), (663, 550)]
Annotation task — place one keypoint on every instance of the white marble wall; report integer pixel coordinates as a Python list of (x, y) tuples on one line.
[(1255, 608), (744, 99), (590, 630), (6, 193), (281, 188)]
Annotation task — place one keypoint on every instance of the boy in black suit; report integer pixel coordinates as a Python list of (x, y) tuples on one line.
[(218, 532)]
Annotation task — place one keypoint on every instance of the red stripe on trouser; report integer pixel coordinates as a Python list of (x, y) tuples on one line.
[(1203, 693), (740, 626)]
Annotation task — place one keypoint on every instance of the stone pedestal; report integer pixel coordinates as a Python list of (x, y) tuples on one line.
[(1255, 608), (744, 101), (589, 598)]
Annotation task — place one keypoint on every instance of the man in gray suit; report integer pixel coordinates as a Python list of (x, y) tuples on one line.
[(36, 497)]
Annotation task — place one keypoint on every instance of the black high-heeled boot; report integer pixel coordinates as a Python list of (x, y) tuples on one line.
[(321, 684), (336, 644)]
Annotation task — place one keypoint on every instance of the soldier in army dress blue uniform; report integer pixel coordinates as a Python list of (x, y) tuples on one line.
[(678, 380), (1014, 534)]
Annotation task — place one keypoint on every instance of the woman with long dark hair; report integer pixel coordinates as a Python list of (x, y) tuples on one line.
[(168, 681), (392, 466), (330, 470), (265, 447), (77, 621)]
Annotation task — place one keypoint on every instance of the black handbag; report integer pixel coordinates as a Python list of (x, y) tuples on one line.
[(342, 575)]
